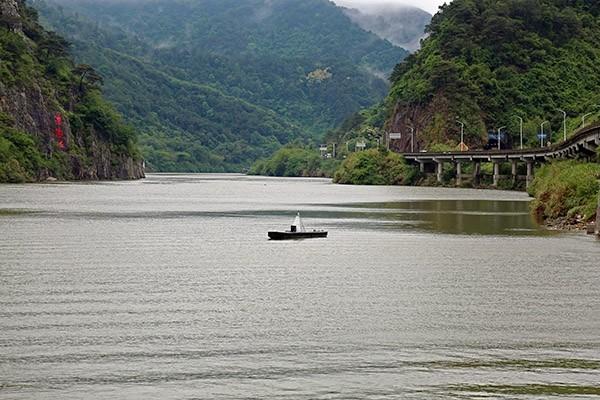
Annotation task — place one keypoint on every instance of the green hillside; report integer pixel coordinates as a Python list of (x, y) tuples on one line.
[(488, 62), (54, 122), (217, 84)]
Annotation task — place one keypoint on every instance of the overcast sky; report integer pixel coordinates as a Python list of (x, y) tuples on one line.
[(427, 5)]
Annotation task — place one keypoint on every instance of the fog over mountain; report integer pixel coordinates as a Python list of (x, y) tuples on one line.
[(214, 85), (401, 24), (369, 6)]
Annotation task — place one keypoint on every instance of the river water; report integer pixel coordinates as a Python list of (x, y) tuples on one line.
[(169, 289)]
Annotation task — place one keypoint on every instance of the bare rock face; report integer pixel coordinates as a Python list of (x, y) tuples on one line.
[(9, 15), (30, 111), (34, 111), (421, 119)]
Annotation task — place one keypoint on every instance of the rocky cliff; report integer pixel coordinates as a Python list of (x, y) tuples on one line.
[(53, 120)]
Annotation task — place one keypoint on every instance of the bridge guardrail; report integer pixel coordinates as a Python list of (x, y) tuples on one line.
[(576, 137)]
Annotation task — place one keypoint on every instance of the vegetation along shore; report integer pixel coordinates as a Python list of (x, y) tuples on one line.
[(490, 74), (511, 74)]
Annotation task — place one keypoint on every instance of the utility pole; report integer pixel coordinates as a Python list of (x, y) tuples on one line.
[(521, 129), (564, 113), (499, 141), (542, 133)]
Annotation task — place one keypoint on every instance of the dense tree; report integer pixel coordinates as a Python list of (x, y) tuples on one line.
[(238, 79), (489, 61), (35, 65)]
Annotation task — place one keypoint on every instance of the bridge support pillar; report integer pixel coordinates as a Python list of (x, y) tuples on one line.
[(496, 173), (458, 173), (440, 171), (514, 171), (529, 173), (422, 166), (476, 172)]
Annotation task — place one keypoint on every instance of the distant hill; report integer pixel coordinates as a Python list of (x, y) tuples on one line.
[(54, 122), (402, 25), (488, 62), (216, 84)]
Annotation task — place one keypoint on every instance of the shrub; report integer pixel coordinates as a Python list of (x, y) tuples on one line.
[(294, 162), (375, 167)]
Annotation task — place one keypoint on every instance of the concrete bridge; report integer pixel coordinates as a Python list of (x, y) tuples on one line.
[(582, 144)]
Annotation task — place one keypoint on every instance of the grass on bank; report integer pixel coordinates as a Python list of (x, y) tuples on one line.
[(566, 189)]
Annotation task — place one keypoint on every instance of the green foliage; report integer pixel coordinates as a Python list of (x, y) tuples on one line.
[(237, 79), (20, 159), (96, 113), (441, 148), (375, 167), (489, 61), (36, 60), (366, 125), (295, 161), (566, 189)]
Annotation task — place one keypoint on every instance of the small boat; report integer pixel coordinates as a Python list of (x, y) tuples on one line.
[(297, 231)]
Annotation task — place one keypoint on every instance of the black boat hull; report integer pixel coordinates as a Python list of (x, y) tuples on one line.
[(296, 235)]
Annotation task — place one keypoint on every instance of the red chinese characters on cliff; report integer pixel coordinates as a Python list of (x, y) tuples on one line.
[(58, 132)]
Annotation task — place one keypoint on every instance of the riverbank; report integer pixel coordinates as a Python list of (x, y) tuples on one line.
[(565, 193)]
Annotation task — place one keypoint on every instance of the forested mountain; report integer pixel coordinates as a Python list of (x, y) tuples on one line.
[(216, 84), (488, 62), (402, 25), (54, 122)]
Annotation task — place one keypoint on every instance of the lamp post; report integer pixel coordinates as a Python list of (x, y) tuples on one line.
[(583, 119), (564, 113), (412, 138), (498, 137), (462, 132), (587, 115), (520, 129), (542, 133)]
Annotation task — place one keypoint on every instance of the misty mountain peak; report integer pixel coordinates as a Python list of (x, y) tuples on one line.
[(401, 24)]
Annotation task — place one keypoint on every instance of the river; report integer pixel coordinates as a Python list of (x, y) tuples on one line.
[(168, 288)]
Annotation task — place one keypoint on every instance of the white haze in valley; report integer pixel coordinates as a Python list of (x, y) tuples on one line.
[(430, 6)]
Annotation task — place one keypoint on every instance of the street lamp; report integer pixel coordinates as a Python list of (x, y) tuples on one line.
[(521, 129), (412, 138), (498, 137), (542, 133), (462, 132), (564, 113), (587, 115), (583, 119)]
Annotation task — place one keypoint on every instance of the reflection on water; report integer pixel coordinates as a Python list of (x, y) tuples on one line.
[(169, 288), (452, 216)]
